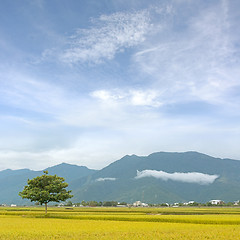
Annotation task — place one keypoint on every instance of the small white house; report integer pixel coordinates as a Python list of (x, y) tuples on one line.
[(216, 202), (175, 205), (188, 203), (140, 204), (236, 203)]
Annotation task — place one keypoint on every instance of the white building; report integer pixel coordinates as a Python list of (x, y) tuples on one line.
[(216, 202), (188, 203), (140, 204), (236, 203)]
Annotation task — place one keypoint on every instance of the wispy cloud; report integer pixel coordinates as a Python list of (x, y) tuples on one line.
[(190, 177), (109, 34), (198, 62), (105, 179), (26, 92)]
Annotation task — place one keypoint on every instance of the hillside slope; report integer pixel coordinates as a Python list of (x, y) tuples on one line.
[(13, 181), (118, 180), (159, 177)]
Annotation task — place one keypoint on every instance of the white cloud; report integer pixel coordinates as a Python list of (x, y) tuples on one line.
[(147, 97), (105, 179), (57, 126), (109, 35), (200, 62), (83, 155), (190, 177), (106, 95)]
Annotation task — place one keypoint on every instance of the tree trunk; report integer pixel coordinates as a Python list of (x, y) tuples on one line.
[(45, 208)]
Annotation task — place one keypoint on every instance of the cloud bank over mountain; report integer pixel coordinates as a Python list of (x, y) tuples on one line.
[(190, 177)]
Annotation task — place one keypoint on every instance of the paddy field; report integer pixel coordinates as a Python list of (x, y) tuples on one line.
[(120, 223)]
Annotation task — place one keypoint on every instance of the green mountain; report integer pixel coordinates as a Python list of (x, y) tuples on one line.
[(118, 180), (13, 181), (70, 172), (157, 178), (9, 172)]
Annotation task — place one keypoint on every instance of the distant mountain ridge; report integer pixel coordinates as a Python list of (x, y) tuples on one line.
[(13, 181), (159, 177), (127, 188), (9, 172), (70, 172)]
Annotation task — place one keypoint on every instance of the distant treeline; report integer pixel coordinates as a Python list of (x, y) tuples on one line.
[(97, 204), (115, 204)]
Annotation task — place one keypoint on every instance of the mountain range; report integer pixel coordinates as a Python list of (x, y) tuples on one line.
[(157, 178)]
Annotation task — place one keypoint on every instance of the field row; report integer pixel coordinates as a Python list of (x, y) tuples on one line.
[(184, 215), (14, 227), (108, 210)]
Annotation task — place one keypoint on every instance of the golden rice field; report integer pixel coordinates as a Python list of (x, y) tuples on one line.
[(120, 223)]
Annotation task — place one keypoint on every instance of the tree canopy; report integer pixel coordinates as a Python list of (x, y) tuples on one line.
[(46, 188)]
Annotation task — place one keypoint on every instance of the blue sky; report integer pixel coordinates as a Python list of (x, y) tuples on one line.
[(87, 82)]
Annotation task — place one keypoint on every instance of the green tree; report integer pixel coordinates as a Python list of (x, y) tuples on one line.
[(110, 204), (46, 188)]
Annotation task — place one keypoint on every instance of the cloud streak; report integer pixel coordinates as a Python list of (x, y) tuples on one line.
[(190, 177), (105, 179)]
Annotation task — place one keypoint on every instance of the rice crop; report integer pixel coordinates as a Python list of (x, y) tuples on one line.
[(112, 223)]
